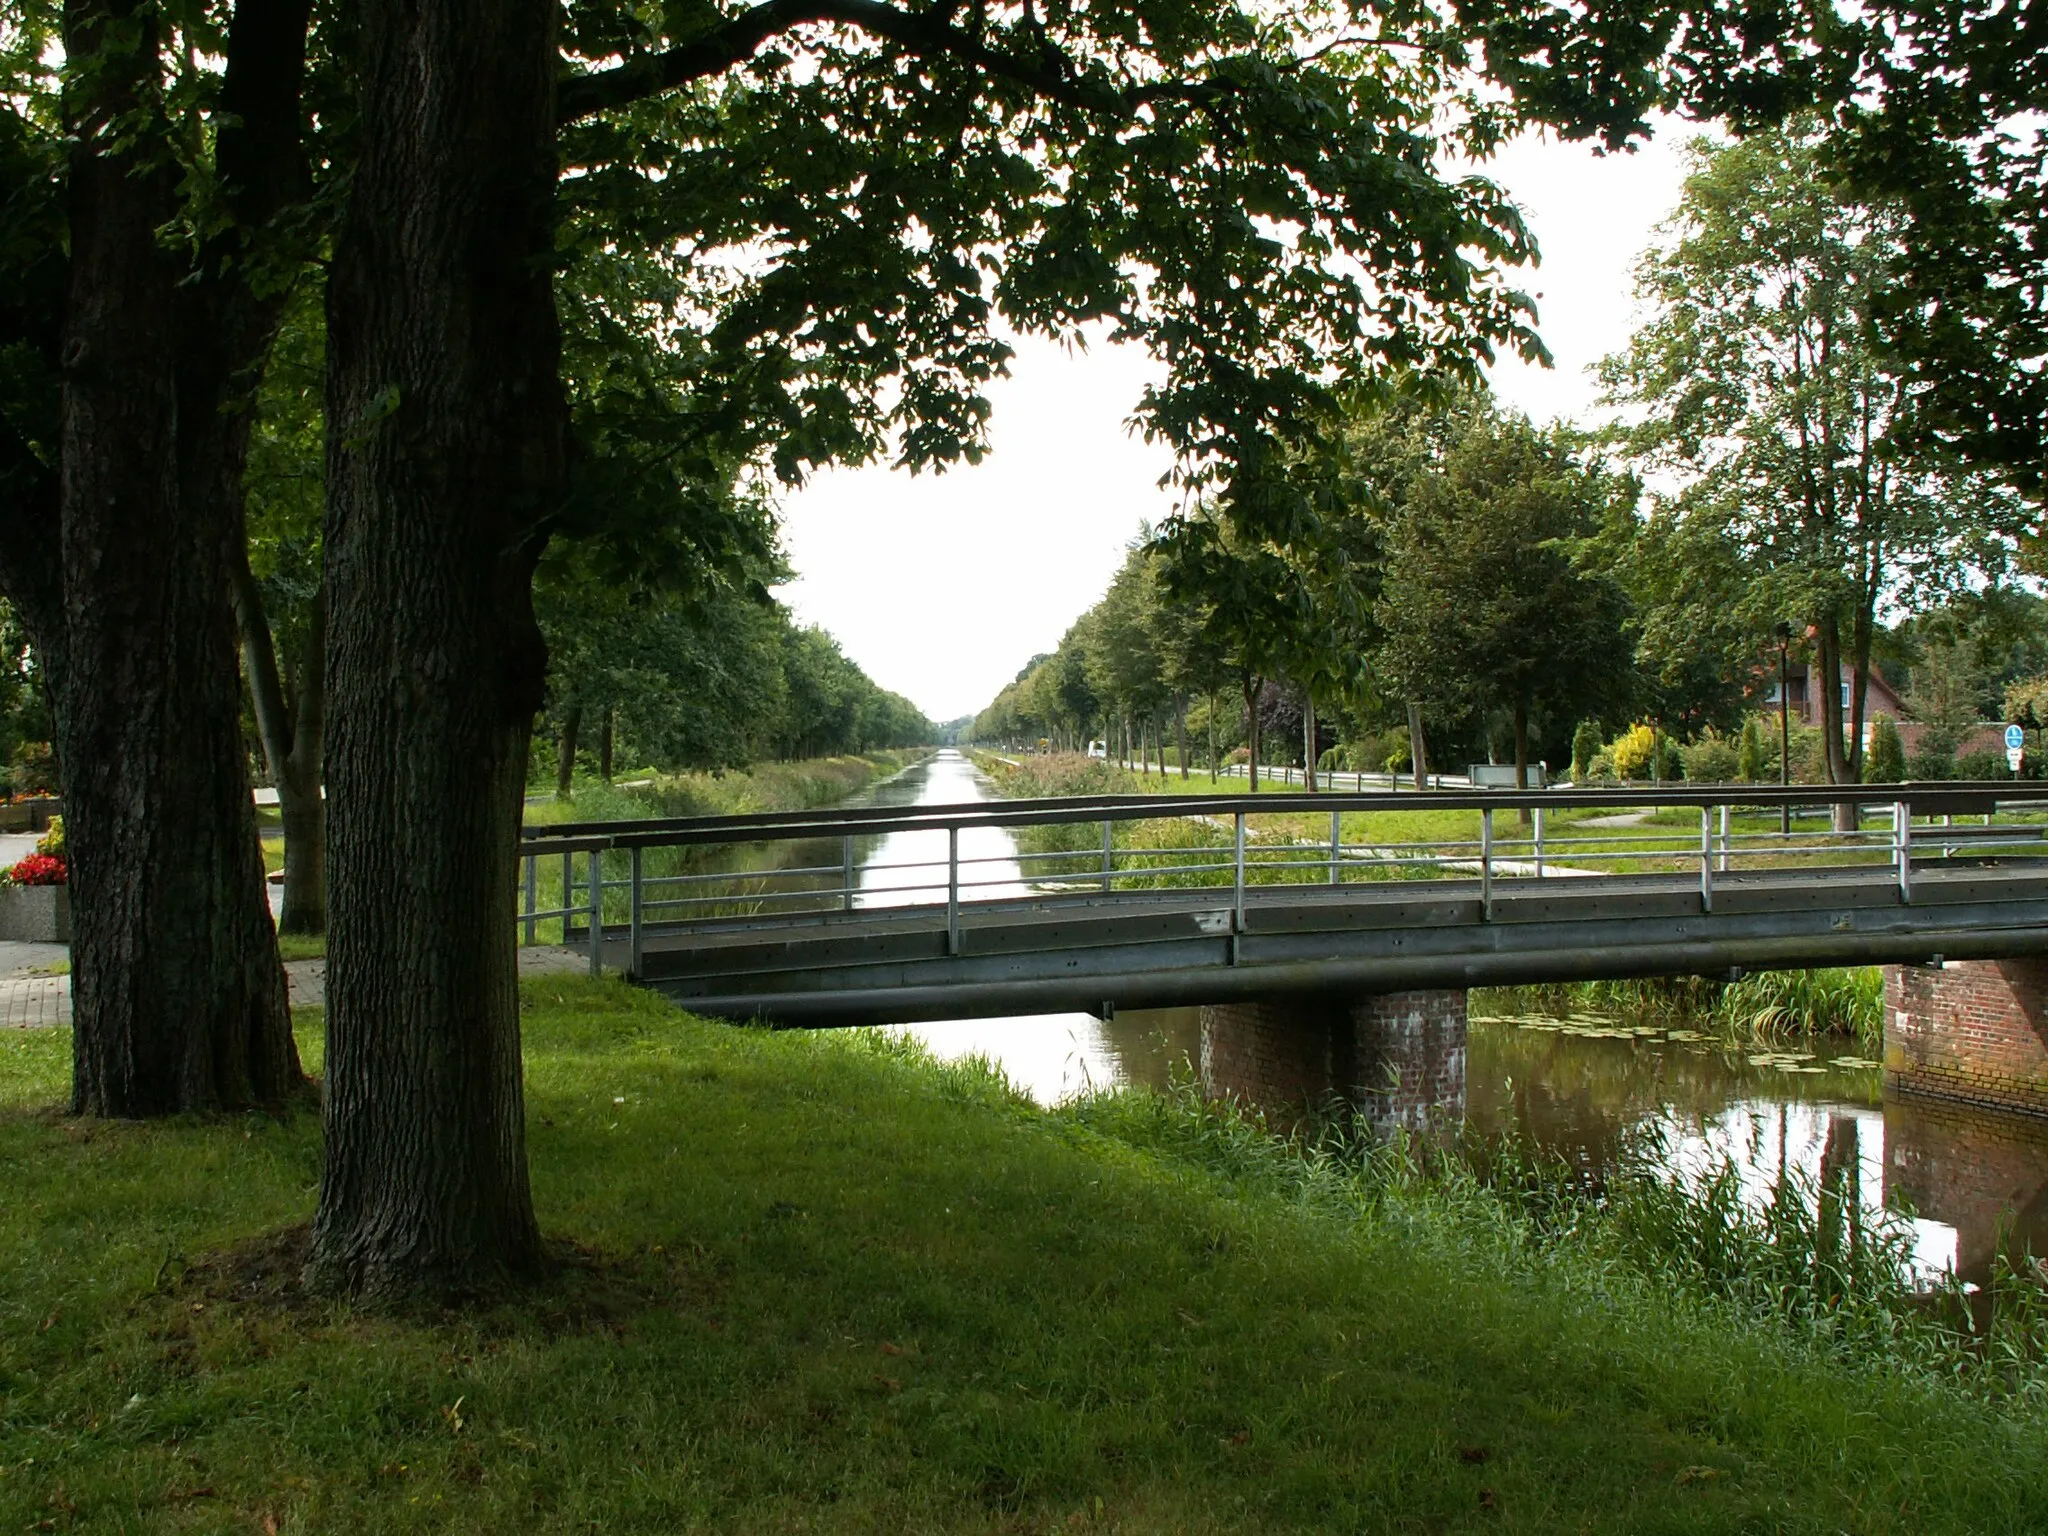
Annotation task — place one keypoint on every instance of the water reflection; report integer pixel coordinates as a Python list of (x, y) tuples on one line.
[(1631, 1093)]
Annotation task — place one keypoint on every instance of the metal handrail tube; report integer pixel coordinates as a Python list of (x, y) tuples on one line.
[(1949, 797)]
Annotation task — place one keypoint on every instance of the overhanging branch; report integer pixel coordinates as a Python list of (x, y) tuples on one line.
[(1050, 75)]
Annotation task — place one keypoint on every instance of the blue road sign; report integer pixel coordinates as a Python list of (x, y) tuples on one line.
[(2015, 738)]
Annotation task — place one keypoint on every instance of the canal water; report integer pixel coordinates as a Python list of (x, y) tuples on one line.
[(1603, 1091)]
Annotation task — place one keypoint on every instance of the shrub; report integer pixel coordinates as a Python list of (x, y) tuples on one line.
[(1886, 761), (1752, 760), (1600, 768), (1711, 759), (1982, 765), (38, 869), (1934, 757), (1585, 747), (1630, 752), (52, 841), (34, 770)]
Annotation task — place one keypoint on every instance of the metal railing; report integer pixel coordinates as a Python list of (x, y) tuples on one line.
[(606, 881)]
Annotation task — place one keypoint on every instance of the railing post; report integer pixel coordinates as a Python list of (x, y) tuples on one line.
[(633, 964), (1237, 890), (568, 892), (1902, 848), (532, 892), (1336, 843), (846, 873), (952, 890), (1539, 842), (597, 911), (1108, 852), (1724, 839), (1486, 865), (1706, 859)]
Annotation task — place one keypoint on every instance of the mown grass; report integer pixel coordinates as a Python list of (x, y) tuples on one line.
[(827, 1285)]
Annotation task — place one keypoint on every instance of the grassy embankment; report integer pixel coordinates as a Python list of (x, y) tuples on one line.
[(821, 1284), (1766, 1006)]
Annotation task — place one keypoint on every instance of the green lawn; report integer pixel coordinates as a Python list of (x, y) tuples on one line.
[(827, 1287)]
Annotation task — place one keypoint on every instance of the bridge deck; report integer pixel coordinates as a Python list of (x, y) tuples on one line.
[(1055, 951)]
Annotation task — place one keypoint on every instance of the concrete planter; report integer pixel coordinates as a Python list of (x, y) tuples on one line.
[(35, 914), (29, 815)]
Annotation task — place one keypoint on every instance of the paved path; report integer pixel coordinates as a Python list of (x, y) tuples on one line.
[(30, 998)]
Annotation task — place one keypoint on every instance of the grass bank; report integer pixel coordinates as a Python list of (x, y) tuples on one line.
[(826, 1285), (791, 786)]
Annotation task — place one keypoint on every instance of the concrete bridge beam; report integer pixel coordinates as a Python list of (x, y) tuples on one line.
[(1398, 1057)]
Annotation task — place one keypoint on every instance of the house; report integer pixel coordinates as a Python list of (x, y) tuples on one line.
[(1880, 699)]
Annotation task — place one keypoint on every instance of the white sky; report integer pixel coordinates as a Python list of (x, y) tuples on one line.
[(943, 586)]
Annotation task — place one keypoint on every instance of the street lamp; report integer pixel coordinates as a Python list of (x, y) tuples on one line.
[(1784, 727)]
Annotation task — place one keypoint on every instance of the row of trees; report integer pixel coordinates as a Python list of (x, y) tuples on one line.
[(594, 275), (1466, 574)]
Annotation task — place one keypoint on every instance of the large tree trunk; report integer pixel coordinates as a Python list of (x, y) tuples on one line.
[(1418, 754), (445, 466), (178, 1001), (1826, 676)]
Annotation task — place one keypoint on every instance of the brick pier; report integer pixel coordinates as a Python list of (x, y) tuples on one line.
[(1971, 1031), (1399, 1057)]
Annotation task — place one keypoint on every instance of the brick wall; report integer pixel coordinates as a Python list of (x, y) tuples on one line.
[(1969, 1030), (1399, 1057)]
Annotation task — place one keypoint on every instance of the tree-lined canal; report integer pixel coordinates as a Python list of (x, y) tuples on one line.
[(1604, 1092)]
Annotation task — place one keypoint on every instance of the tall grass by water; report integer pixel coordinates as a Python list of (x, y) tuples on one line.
[(1762, 1007)]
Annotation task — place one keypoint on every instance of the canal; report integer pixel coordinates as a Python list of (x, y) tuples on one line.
[(1602, 1091)]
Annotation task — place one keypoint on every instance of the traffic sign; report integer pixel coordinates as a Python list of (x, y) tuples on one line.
[(2012, 758), (2015, 738)]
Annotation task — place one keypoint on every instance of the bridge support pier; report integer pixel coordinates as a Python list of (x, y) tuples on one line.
[(1398, 1058), (1973, 1031)]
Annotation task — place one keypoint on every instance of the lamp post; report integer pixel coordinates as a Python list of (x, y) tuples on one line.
[(1784, 727)]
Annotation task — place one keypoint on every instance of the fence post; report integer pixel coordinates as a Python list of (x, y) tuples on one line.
[(1336, 843), (597, 911), (568, 892), (1902, 848), (1706, 859), (532, 892), (1108, 856), (633, 965), (1724, 839), (1539, 842), (952, 890), (846, 873), (1486, 865)]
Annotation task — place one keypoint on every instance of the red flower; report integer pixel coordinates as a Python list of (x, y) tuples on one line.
[(38, 869)]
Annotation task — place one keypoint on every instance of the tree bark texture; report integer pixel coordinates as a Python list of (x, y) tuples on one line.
[(604, 746), (178, 1000), (1826, 676), (1418, 755), (445, 467)]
